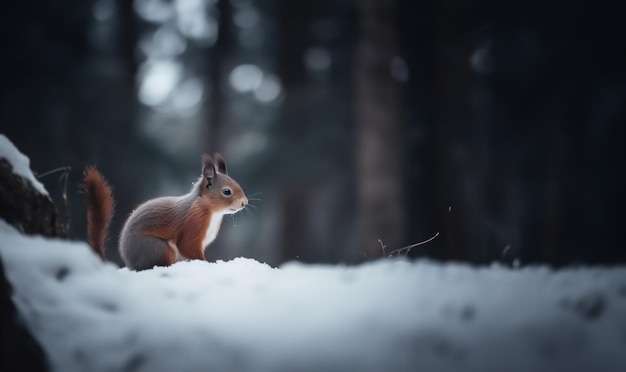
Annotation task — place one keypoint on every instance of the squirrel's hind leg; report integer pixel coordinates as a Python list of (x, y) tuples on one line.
[(145, 252)]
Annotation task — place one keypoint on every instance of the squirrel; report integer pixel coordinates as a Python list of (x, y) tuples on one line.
[(165, 230)]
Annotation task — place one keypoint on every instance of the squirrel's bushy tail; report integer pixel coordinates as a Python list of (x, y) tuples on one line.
[(100, 205)]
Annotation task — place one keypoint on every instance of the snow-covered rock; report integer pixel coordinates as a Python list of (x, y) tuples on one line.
[(24, 202), (20, 163)]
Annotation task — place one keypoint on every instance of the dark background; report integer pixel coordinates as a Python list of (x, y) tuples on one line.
[(500, 126)]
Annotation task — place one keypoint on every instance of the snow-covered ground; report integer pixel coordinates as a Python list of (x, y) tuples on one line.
[(242, 315)]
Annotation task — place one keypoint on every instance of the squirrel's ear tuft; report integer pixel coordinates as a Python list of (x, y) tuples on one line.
[(221, 164), (208, 167)]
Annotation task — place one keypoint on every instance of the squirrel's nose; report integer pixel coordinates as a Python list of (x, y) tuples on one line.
[(244, 202)]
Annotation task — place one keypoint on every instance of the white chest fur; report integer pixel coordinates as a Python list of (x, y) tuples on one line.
[(213, 229)]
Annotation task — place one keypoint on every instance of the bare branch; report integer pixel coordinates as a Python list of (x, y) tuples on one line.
[(65, 170), (64, 177), (409, 247)]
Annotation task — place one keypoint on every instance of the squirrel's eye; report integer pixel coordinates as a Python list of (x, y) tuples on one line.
[(226, 191)]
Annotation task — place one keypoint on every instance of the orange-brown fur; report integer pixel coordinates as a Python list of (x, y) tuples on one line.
[(189, 238), (186, 232), (99, 210)]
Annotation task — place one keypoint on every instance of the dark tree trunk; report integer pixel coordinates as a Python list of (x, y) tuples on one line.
[(453, 146), (127, 38), (381, 207), (295, 19), (217, 74)]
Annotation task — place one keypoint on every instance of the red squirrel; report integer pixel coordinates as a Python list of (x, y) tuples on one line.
[(164, 230)]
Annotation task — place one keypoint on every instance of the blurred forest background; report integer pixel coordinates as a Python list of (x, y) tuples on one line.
[(499, 125)]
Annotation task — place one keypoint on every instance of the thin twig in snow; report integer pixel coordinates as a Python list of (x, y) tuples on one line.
[(382, 246), (408, 247)]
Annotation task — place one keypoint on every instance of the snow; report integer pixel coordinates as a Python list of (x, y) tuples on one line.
[(243, 315), (20, 162)]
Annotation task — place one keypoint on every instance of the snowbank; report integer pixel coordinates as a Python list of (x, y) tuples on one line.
[(243, 315), (20, 162)]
